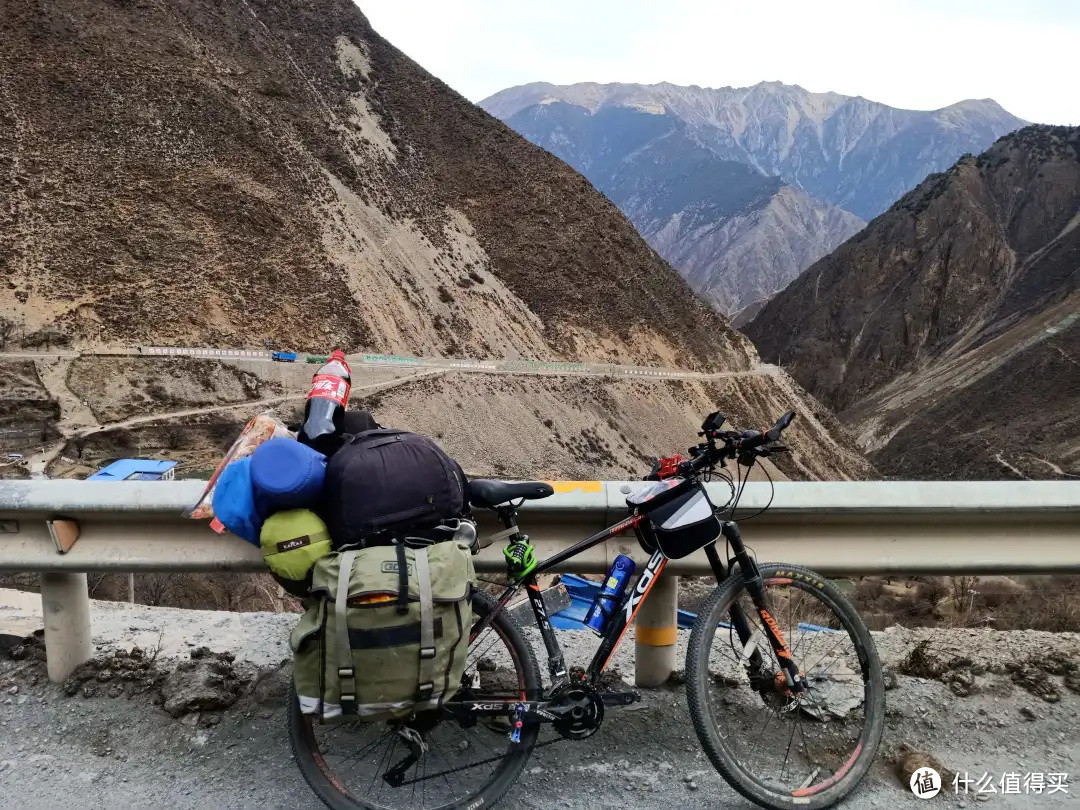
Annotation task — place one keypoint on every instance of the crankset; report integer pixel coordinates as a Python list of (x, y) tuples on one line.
[(575, 709), (578, 710)]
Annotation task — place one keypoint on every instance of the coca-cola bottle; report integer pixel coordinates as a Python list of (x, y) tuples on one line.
[(326, 401)]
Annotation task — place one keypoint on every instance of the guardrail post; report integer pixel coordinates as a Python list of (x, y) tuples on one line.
[(65, 605), (656, 633)]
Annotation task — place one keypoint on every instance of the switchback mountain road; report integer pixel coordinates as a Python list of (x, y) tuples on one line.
[(524, 367), (37, 463)]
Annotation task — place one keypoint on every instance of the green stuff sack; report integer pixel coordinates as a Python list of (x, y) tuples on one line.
[(377, 645), (292, 542)]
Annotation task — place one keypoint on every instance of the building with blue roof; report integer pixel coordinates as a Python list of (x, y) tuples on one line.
[(136, 469)]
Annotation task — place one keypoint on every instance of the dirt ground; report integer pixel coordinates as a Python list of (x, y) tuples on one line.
[(587, 428), (126, 751), (117, 388)]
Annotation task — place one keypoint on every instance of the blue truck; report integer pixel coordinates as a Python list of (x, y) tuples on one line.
[(284, 357)]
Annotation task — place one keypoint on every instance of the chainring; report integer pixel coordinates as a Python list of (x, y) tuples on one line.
[(580, 711)]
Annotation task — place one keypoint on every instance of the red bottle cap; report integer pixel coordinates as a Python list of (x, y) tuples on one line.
[(339, 356)]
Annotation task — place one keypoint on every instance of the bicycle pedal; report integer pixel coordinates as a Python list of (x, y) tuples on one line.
[(620, 698)]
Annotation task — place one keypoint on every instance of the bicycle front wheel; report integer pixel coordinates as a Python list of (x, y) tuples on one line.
[(779, 748), (351, 764)]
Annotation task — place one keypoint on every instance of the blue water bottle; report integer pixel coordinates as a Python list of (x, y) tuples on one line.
[(614, 585)]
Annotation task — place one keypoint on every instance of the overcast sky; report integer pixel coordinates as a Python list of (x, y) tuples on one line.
[(919, 54)]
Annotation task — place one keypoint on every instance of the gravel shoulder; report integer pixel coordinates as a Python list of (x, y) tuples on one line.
[(107, 752)]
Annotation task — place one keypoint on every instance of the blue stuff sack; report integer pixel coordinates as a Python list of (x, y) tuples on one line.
[(234, 501), (286, 474)]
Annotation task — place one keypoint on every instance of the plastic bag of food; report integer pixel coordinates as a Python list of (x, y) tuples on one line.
[(258, 430)]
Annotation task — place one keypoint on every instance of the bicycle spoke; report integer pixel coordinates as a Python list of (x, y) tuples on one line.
[(375, 775), (787, 751), (478, 656), (761, 734)]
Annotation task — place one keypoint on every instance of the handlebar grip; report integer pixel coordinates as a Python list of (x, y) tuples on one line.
[(754, 438), (702, 458)]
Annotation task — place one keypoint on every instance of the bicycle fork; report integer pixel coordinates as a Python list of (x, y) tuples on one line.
[(755, 586)]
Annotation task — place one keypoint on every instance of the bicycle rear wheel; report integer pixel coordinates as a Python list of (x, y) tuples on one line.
[(346, 762), (778, 748)]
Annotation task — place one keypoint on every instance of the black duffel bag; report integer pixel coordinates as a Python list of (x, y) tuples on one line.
[(384, 482)]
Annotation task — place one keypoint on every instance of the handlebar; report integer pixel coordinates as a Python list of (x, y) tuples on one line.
[(744, 445), (755, 438), (735, 442)]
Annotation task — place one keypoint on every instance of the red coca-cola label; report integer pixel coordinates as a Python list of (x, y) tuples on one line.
[(329, 386)]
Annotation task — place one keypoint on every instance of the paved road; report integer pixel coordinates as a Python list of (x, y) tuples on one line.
[(526, 367)]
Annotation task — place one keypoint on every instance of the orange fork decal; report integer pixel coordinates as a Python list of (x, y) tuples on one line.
[(771, 622)]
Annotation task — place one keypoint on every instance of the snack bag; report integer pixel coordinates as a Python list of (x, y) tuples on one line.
[(258, 430)]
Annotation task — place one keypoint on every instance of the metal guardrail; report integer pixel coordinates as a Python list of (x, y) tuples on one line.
[(837, 528)]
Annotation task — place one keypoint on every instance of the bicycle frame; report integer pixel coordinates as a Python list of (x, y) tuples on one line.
[(633, 599), (622, 616)]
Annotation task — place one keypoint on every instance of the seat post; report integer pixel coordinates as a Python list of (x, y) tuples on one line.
[(508, 516)]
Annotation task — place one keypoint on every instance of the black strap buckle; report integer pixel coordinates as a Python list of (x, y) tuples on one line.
[(403, 580)]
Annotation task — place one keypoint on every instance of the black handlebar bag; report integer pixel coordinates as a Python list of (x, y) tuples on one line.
[(383, 482), (679, 517)]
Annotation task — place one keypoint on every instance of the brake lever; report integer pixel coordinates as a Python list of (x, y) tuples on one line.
[(768, 449)]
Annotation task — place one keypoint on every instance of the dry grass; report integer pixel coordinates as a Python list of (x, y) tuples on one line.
[(204, 591), (1049, 603)]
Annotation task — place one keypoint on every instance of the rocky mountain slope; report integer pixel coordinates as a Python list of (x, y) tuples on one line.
[(278, 171), (236, 172), (736, 235), (27, 411), (946, 332), (748, 257), (855, 153)]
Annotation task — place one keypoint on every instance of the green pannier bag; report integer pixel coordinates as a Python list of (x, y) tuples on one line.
[(292, 542), (386, 631)]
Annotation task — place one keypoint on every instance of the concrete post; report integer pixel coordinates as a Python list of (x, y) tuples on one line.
[(65, 606), (656, 633)]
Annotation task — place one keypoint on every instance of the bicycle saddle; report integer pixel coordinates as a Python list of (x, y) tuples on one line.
[(484, 492)]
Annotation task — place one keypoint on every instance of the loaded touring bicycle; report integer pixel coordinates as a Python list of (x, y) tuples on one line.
[(783, 682)]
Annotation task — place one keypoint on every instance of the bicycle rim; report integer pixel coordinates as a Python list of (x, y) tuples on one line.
[(776, 747), (346, 762)]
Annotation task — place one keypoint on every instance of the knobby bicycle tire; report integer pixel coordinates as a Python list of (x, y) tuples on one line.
[(312, 764), (714, 613)]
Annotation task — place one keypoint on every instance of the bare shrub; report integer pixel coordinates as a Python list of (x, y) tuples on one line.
[(868, 590), (1035, 603), (1048, 603), (962, 590)]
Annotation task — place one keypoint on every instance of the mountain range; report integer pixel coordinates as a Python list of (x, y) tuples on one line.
[(945, 334), (741, 189)]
